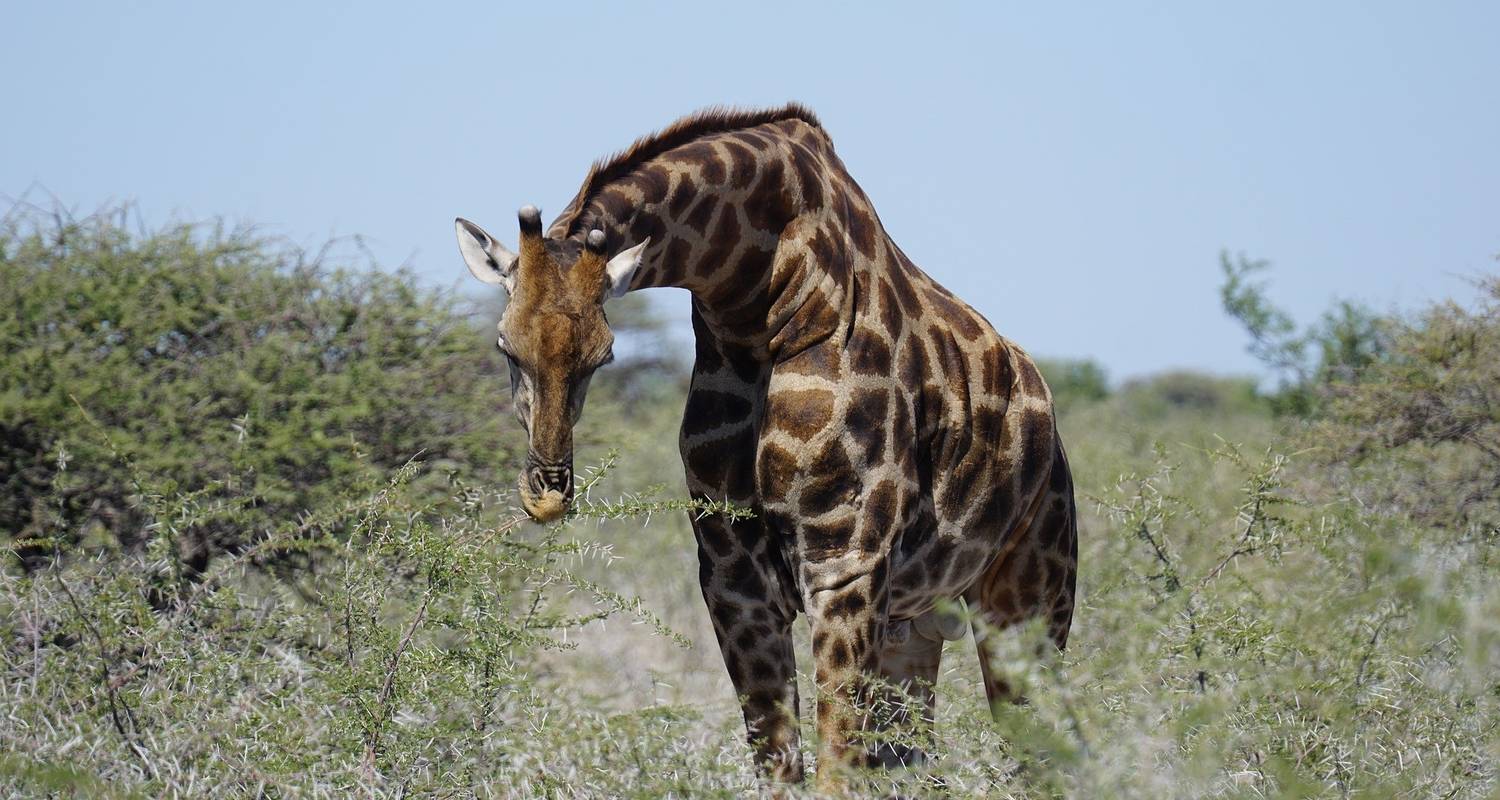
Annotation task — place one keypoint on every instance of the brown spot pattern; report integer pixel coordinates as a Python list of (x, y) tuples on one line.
[(892, 445)]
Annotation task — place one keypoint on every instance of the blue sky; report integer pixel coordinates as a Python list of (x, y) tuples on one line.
[(1071, 173)]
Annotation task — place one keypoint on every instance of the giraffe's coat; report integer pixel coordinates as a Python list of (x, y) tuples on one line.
[(897, 451)]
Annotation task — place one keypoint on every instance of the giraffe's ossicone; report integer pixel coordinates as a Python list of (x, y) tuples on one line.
[(896, 451)]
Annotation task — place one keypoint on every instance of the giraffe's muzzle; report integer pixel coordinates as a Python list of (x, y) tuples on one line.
[(546, 490)]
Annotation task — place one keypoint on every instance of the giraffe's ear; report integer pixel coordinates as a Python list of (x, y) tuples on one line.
[(620, 269), (488, 260)]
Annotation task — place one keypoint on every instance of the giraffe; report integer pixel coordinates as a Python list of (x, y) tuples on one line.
[(897, 453)]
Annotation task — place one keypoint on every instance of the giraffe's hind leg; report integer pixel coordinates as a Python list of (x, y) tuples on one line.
[(909, 661), (1034, 578)]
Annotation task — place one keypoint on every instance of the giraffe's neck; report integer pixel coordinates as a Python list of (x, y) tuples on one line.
[(716, 209)]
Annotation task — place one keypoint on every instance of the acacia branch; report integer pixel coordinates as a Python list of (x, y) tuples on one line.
[(388, 687), (111, 687)]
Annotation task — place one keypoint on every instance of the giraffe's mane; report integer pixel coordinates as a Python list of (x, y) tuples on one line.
[(715, 119)]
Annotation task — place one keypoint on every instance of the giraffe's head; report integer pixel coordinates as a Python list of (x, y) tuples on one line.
[(554, 335)]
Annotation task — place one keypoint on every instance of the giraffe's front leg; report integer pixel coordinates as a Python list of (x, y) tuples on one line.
[(753, 623)]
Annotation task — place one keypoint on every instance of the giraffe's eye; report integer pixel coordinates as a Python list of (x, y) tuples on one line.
[(510, 358)]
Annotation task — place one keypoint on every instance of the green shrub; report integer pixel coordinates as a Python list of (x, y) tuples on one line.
[(403, 663), (1169, 392), (1339, 348), (222, 365), (1404, 409), (1419, 429), (1074, 381)]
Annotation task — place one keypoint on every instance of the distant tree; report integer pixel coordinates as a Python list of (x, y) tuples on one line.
[(1438, 379), (1410, 403), (1181, 390), (1344, 343), (1431, 402)]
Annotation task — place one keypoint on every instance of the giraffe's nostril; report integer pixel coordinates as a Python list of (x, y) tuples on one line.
[(558, 479), (541, 479)]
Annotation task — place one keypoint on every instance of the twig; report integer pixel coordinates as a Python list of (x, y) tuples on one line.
[(1241, 549), (1364, 661), (389, 686), (111, 688)]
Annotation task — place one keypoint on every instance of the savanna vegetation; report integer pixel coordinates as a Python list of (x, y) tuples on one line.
[(261, 542)]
